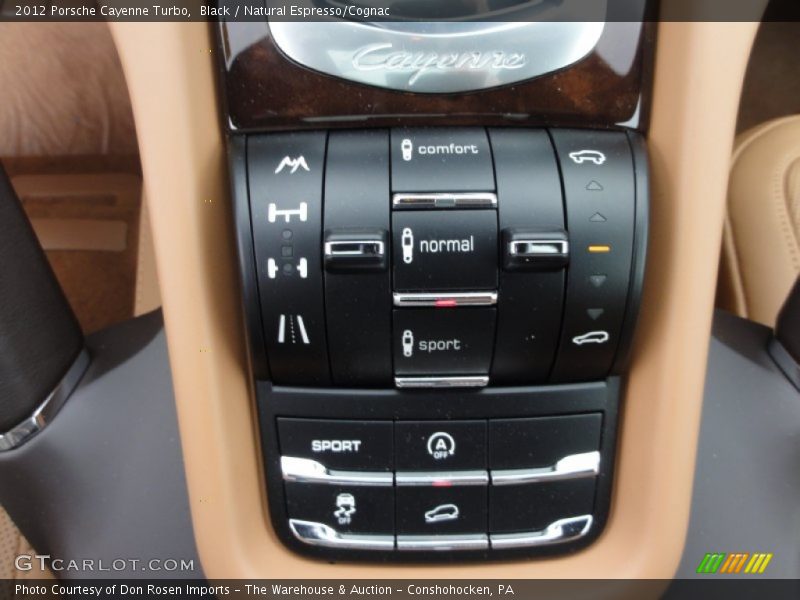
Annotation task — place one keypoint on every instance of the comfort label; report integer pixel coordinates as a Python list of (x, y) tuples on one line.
[(408, 149), (433, 160)]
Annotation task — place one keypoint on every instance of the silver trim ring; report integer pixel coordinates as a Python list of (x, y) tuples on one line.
[(306, 470), (443, 543), (573, 466), (351, 248), (454, 381), (48, 409), (319, 534), (444, 299), (432, 478), (537, 248), (444, 200), (558, 532)]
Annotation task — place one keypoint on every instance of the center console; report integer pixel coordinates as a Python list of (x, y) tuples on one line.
[(439, 309)]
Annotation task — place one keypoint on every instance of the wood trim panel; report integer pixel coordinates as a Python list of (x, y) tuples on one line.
[(265, 90)]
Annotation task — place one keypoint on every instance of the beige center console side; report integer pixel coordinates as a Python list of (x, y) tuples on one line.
[(183, 161)]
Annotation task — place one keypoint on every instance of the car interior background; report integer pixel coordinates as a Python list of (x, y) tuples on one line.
[(73, 161)]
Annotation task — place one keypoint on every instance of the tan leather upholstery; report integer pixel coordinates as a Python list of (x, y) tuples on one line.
[(12, 545), (762, 231), (148, 294), (90, 113)]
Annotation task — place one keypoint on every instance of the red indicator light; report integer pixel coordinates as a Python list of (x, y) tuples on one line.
[(446, 303), (442, 484)]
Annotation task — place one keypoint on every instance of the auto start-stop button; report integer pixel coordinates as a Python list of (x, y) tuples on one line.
[(447, 160), (436, 341), (445, 250)]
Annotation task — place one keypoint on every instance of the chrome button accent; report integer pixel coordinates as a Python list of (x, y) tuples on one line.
[(444, 300), (305, 470), (444, 200), (423, 478), (533, 248), (442, 382), (349, 251), (360, 248), (319, 534), (468, 541), (563, 530), (574, 466), (48, 409)]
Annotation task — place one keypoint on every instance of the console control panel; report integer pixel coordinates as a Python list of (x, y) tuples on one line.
[(440, 485), (444, 257), (438, 322)]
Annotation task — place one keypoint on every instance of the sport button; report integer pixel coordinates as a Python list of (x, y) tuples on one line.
[(440, 445), (346, 445), (435, 341)]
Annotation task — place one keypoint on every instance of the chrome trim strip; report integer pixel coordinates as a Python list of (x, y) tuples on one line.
[(537, 247), (363, 248), (457, 381), (319, 534), (48, 409), (415, 299), (444, 200), (467, 541), (450, 56), (306, 470), (422, 478), (574, 466), (558, 532)]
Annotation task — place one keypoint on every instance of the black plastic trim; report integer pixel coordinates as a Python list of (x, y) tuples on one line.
[(641, 235), (243, 232)]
